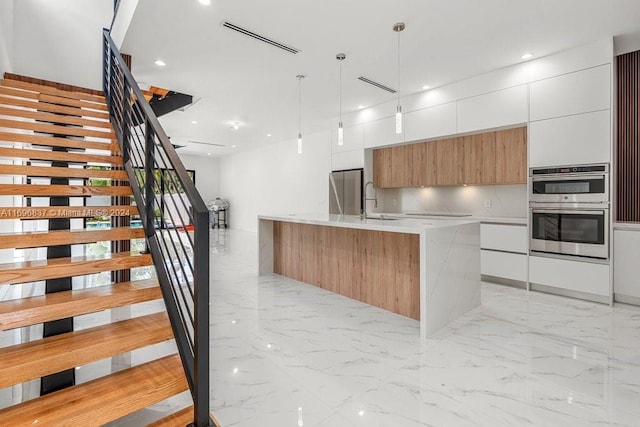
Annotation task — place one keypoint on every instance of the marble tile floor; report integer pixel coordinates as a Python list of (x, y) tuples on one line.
[(284, 353), (288, 354)]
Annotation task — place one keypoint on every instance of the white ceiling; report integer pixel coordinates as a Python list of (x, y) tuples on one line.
[(241, 79)]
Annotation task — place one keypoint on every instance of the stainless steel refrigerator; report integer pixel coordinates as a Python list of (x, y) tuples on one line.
[(345, 192)]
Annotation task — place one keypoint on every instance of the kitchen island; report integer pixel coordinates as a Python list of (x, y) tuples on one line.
[(428, 270)]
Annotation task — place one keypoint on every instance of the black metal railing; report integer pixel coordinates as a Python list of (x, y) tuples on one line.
[(181, 258)]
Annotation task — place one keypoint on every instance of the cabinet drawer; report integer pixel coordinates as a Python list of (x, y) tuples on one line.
[(499, 237), (570, 275), (504, 265)]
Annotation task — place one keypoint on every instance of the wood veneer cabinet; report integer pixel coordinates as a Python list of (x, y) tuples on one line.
[(511, 156), (382, 168), (479, 158), (423, 164), (450, 161), (401, 166), (497, 157)]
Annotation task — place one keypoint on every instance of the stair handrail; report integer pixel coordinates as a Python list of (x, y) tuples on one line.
[(181, 260)]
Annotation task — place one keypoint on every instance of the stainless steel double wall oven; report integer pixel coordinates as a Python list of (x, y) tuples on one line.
[(569, 210)]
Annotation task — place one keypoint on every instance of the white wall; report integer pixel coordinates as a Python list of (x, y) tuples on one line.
[(6, 36), (207, 174), (276, 179), (61, 40), (122, 21)]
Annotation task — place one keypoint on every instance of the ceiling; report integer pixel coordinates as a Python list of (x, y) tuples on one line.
[(239, 79)]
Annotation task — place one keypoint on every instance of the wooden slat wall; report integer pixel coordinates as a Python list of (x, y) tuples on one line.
[(375, 267), (628, 142)]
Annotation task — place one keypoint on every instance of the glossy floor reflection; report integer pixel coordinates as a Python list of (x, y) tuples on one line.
[(284, 353), (288, 354)]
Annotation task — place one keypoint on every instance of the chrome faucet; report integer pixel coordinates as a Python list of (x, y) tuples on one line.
[(365, 199)]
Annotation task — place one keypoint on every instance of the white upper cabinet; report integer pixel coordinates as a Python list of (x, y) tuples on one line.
[(500, 108), (574, 93), (382, 132), (571, 140), (430, 122), (347, 160)]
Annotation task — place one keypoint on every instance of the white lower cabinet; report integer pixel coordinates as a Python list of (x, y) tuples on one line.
[(504, 264), (626, 265), (576, 276), (504, 251), (503, 237)]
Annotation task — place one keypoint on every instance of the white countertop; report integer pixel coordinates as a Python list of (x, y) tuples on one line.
[(488, 220), (396, 224)]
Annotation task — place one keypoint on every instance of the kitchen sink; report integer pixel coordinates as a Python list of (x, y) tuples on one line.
[(383, 218), (440, 214)]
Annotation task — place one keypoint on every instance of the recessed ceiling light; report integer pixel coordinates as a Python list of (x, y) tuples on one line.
[(235, 125), (195, 122), (527, 55), (268, 134), (233, 146), (360, 107), (160, 63), (208, 154), (205, 2), (425, 87)]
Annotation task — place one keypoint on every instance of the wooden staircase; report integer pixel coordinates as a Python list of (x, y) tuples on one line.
[(40, 124)]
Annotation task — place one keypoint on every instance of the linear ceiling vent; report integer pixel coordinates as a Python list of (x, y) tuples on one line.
[(259, 37), (376, 84), (207, 143)]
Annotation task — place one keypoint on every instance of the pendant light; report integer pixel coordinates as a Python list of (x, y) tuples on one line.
[(340, 57), (398, 28), (300, 77)]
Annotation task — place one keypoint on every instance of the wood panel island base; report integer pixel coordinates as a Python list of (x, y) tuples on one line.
[(428, 270)]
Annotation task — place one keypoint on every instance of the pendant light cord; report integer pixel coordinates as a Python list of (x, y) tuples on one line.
[(398, 68), (340, 62), (300, 77)]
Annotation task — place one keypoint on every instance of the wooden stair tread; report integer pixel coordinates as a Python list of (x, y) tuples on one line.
[(53, 141), (57, 100), (53, 118), (33, 87), (44, 308), (33, 271), (37, 239), (51, 83), (46, 171), (23, 362), (55, 129), (104, 399), (61, 156), (63, 190), (47, 212), (6, 99), (181, 418)]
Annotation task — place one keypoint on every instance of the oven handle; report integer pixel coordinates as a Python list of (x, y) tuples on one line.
[(569, 211), (568, 177)]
